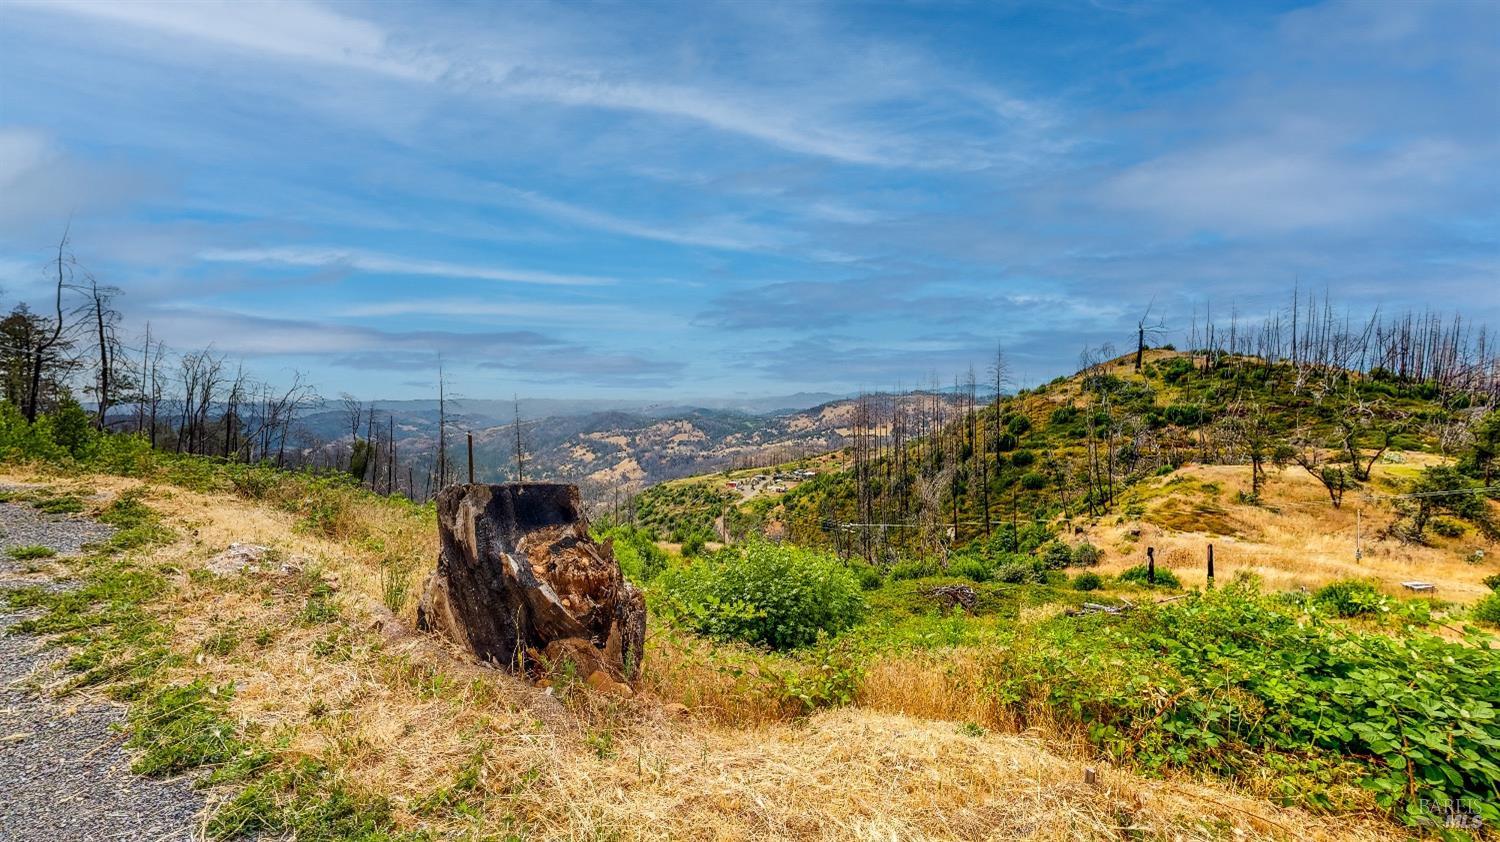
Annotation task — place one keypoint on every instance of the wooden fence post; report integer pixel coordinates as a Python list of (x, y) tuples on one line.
[(471, 458), (1150, 565), (1210, 565)]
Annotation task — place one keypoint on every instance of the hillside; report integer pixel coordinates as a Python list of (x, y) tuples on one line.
[(1162, 460)]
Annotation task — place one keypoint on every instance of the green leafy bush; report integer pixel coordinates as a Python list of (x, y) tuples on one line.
[(1086, 555), (766, 594), (1164, 577), (1033, 481), (970, 567), (1056, 555), (1487, 610), (1262, 693), (1447, 528), (1492, 581), (1351, 598), (1021, 571), (1087, 581), (1186, 415), (639, 557), (1007, 539)]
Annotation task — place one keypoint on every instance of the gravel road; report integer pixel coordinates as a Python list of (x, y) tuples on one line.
[(63, 773)]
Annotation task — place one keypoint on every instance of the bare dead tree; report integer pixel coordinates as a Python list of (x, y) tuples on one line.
[(99, 313), (48, 344), (1147, 331)]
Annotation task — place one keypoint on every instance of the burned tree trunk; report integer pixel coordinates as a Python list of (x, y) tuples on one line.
[(519, 578)]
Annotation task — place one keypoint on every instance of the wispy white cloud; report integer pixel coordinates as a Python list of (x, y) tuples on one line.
[(374, 262), (731, 234), (825, 121), (288, 29), (471, 308)]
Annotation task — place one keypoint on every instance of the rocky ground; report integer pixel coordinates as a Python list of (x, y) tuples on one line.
[(64, 774)]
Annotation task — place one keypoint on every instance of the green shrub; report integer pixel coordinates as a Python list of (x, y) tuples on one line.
[(1186, 415), (1018, 425), (912, 569), (1164, 577), (1021, 571), (1447, 528), (1487, 610), (1260, 693), (970, 567), (639, 557), (1006, 539), (1064, 414), (1022, 458), (766, 594), (1351, 598), (694, 546), (868, 574), (1086, 555), (1033, 481), (1056, 555), (1087, 581), (1492, 581)]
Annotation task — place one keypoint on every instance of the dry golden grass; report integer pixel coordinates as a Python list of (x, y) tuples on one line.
[(399, 715), (1293, 539)]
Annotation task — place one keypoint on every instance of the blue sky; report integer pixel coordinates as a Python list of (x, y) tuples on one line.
[(678, 200)]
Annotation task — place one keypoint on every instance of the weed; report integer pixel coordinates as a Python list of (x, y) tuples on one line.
[(221, 643), (321, 605), (395, 582), (602, 743), (30, 552), (453, 798)]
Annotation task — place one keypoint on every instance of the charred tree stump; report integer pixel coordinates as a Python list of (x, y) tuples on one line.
[(519, 580)]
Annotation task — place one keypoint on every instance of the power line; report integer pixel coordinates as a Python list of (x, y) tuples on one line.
[(1440, 493)]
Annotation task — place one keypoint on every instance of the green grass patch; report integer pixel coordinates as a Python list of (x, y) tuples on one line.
[(30, 552), (308, 802), (177, 729)]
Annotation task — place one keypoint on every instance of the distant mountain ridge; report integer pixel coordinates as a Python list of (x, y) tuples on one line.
[(617, 447)]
